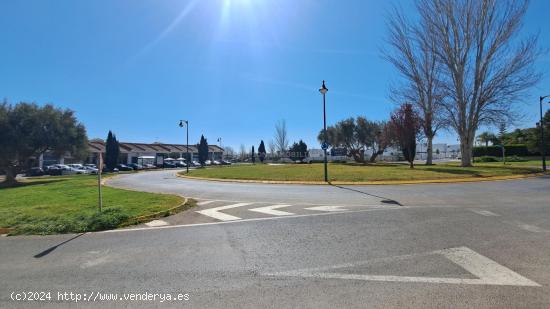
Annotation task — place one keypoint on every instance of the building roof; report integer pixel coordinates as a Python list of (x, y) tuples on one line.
[(97, 145)]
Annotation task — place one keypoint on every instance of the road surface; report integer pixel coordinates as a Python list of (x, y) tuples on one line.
[(466, 245)]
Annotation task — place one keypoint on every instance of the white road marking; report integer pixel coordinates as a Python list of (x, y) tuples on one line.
[(488, 271), (485, 213), (531, 228), (216, 214), (155, 223), (271, 210), (205, 202), (245, 220), (328, 208)]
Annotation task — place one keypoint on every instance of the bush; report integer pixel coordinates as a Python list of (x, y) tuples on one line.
[(486, 159), (496, 151), (515, 159), (110, 218)]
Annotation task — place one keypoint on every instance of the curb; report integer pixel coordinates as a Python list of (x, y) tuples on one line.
[(165, 213), (380, 182)]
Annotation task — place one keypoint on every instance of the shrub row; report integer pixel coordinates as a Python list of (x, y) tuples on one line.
[(496, 151)]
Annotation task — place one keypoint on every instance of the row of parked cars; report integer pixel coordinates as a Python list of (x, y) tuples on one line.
[(74, 169)]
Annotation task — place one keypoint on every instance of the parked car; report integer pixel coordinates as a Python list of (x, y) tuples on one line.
[(34, 171), (208, 162), (180, 164), (169, 165), (136, 166), (226, 162), (90, 165), (79, 168), (195, 163), (216, 162), (149, 166), (123, 167), (91, 170)]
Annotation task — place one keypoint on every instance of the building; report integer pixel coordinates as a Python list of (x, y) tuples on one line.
[(153, 153), (141, 153)]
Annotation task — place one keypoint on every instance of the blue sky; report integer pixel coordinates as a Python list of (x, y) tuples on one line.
[(233, 68)]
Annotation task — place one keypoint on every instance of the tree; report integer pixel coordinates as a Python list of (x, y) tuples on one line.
[(272, 149), (501, 133), (486, 137), (298, 151), (28, 131), (261, 151), (229, 152), (112, 151), (483, 74), (242, 152), (253, 156), (382, 140), (412, 45), (355, 135), (281, 136), (203, 150), (405, 126)]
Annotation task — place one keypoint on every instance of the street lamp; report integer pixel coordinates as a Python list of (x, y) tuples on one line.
[(542, 134), (187, 142), (324, 90)]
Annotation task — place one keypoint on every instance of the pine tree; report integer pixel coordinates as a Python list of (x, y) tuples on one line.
[(203, 150), (253, 156), (112, 151), (261, 151)]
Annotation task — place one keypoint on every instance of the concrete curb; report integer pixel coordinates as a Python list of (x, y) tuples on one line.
[(161, 214), (380, 182)]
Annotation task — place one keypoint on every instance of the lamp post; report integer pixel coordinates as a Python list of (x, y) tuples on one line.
[(324, 90), (542, 134), (220, 141), (187, 142)]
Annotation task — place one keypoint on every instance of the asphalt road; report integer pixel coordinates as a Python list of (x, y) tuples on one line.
[(470, 245)]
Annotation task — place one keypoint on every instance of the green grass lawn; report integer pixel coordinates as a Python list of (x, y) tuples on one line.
[(357, 172), (64, 204)]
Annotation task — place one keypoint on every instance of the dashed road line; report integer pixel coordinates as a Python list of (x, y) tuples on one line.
[(328, 208), (206, 202), (216, 214), (272, 210), (485, 213)]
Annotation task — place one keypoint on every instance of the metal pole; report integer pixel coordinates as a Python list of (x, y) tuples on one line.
[(542, 137), (187, 145), (99, 181), (325, 136)]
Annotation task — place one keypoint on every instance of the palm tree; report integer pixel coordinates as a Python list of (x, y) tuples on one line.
[(486, 137)]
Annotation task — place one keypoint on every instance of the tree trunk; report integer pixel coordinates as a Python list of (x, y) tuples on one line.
[(374, 155), (466, 146), (10, 177), (429, 150)]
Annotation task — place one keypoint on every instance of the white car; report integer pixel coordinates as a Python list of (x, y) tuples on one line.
[(208, 162), (79, 168)]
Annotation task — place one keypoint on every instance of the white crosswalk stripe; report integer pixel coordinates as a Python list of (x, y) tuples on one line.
[(216, 214), (272, 210), (328, 208)]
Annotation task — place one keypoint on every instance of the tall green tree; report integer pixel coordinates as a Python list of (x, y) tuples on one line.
[(112, 151), (28, 130), (253, 156), (261, 151), (203, 150), (487, 137), (298, 151)]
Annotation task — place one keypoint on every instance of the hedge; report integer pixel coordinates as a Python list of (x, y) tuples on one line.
[(496, 151)]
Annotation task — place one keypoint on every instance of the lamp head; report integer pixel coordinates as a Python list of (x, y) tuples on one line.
[(323, 88)]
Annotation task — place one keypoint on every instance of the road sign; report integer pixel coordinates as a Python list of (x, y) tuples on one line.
[(324, 146)]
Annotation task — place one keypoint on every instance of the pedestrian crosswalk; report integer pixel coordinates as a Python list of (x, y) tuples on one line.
[(221, 211)]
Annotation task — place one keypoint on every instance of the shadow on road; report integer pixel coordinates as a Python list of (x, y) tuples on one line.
[(384, 200), (49, 250)]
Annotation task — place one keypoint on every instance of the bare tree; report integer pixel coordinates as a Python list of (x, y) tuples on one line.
[(281, 136), (412, 45), (484, 74), (242, 152), (272, 149)]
